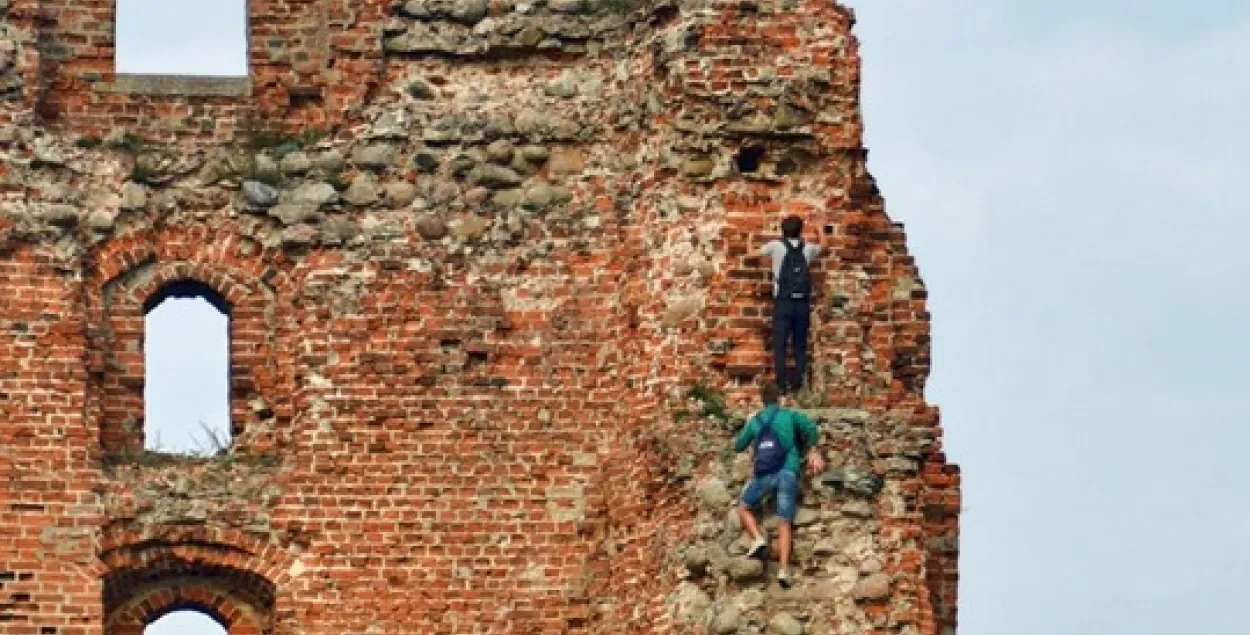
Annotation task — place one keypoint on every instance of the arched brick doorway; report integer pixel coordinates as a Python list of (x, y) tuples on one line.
[(241, 602)]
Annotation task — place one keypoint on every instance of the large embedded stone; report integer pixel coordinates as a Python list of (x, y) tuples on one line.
[(690, 603), (375, 156), (134, 196), (494, 176), (727, 621), (259, 194), (295, 163), (400, 193), (100, 221), (469, 11), (566, 161), (500, 151), (743, 569), (537, 196), (714, 493), (697, 167), (61, 215), (431, 227), (314, 194), (265, 169), (330, 161), (785, 624), (363, 191), (469, 226), (873, 587)]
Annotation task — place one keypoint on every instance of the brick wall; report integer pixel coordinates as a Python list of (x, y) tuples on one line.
[(472, 266)]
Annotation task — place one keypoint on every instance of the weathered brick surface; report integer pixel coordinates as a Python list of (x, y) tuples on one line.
[(475, 257)]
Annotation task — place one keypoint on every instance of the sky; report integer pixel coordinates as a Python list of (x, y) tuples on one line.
[(1067, 172)]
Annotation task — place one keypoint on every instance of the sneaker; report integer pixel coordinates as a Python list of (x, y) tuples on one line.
[(757, 547), (783, 578)]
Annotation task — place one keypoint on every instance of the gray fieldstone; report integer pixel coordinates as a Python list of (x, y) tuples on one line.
[(535, 154), (537, 196), (259, 194), (61, 215), (873, 587), (264, 168), (469, 226), (566, 161), (564, 86), (508, 198), (727, 622), (714, 493), (785, 624), (469, 11), (337, 231), (400, 193), (697, 167), (295, 163), (330, 161), (494, 176), (500, 151), (134, 196), (100, 221), (742, 569), (363, 191), (462, 164), (857, 509), (690, 603), (376, 156), (315, 194)]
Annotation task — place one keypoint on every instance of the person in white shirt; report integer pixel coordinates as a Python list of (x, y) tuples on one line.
[(792, 300)]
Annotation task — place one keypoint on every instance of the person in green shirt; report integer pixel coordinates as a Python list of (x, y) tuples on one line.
[(774, 472)]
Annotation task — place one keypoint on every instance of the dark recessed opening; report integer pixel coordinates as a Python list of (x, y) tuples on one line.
[(749, 158)]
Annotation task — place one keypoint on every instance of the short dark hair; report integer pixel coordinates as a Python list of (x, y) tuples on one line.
[(769, 392), (792, 227)]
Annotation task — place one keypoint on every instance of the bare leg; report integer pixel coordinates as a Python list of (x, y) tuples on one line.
[(748, 522), (783, 544)]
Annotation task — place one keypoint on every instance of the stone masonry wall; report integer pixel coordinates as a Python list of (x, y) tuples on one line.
[(495, 311)]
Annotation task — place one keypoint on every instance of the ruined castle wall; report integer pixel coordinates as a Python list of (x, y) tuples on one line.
[(476, 256)]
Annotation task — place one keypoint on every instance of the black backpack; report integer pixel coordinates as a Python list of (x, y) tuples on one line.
[(770, 452), (794, 282)]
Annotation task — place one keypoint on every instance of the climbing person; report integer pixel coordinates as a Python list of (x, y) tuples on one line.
[(774, 436), (792, 300)]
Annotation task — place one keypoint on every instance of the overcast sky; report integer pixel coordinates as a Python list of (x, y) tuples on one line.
[(1067, 172)]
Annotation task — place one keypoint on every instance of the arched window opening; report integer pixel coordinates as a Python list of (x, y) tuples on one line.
[(186, 393), (185, 621), (182, 37)]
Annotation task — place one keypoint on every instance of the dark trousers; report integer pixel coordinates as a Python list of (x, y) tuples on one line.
[(791, 320)]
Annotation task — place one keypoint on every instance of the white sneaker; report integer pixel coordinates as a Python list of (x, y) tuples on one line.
[(783, 578), (756, 547)]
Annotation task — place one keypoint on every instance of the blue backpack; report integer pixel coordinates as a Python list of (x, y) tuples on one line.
[(770, 453)]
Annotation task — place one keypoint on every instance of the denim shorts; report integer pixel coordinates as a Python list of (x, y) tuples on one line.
[(783, 483)]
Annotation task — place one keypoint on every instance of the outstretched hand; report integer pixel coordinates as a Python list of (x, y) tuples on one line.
[(815, 462)]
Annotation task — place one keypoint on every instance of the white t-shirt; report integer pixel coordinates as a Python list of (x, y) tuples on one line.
[(777, 251)]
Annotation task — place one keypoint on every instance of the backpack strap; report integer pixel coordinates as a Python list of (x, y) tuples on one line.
[(789, 247), (768, 421)]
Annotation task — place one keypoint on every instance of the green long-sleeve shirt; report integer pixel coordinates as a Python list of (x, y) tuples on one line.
[(785, 425)]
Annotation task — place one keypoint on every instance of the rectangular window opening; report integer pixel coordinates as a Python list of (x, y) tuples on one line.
[(187, 41)]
